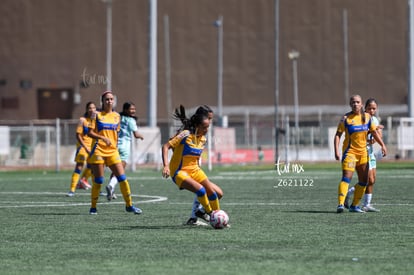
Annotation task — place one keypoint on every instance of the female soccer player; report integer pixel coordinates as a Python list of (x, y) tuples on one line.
[(104, 130), (371, 107), (184, 166), (83, 148), (197, 210), (356, 125), (128, 128)]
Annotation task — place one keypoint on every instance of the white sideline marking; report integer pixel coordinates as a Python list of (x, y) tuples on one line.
[(14, 204)]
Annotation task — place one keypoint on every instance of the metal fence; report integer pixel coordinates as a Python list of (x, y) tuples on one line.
[(51, 143)]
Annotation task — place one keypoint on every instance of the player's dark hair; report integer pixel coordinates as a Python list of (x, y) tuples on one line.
[(369, 101), (204, 109), (362, 112), (189, 123), (125, 109), (87, 108)]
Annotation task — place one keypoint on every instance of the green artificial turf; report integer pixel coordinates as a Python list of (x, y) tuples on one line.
[(278, 225)]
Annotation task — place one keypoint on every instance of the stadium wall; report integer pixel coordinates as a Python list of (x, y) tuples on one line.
[(59, 44)]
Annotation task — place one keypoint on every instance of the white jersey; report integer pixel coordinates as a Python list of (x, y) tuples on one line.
[(128, 127), (370, 146)]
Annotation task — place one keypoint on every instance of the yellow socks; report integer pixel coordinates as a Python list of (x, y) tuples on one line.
[(342, 190), (214, 201), (203, 199), (74, 182), (359, 192), (126, 192), (205, 203), (87, 173), (96, 189)]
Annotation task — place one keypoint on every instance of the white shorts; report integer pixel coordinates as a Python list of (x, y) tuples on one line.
[(124, 151)]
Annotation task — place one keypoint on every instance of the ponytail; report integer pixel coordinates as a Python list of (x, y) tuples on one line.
[(362, 112), (189, 123)]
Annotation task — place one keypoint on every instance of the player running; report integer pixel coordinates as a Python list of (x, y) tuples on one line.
[(184, 166)]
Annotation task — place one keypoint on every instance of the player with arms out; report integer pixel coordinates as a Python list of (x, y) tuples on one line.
[(356, 125), (104, 130), (197, 211)]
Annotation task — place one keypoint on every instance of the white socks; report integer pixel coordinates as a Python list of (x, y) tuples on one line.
[(196, 206), (351, 190), (113, 182), (367, 199)]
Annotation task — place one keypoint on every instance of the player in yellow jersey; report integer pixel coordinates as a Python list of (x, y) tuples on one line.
[(83, 148), (356, 125), (104, 130), (184, 166), (197, 211), (371, 107), (128, 130)]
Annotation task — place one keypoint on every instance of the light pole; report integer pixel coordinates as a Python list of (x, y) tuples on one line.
[(219, 24), (108, 44), (276, 15), (294, 56), (152, 81)]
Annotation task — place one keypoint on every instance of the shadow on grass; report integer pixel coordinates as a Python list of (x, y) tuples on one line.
[(159, 227)]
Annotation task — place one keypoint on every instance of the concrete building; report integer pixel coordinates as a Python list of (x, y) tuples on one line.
[(53, 54)]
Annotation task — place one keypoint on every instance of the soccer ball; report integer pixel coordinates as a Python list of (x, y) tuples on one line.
[(219, 219)]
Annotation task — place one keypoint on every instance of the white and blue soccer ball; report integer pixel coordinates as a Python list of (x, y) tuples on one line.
[(219, 219)]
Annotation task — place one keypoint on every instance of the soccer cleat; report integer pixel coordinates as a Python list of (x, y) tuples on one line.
[(196, 222), (109, 192), (133, 209), (340, 208), (70, 194), (93, 211), (84, 184), (355, 209), (346, 202), (202, 215), (370, 208)]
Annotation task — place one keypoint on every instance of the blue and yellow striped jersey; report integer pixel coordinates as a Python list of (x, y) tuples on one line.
[(187, 149), (356, 132), (83, 129), (107, 125)]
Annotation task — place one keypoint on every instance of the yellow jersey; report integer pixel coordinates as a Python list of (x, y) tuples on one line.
[(187, 149), (83, 129), (356, 132), (107, 125)]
